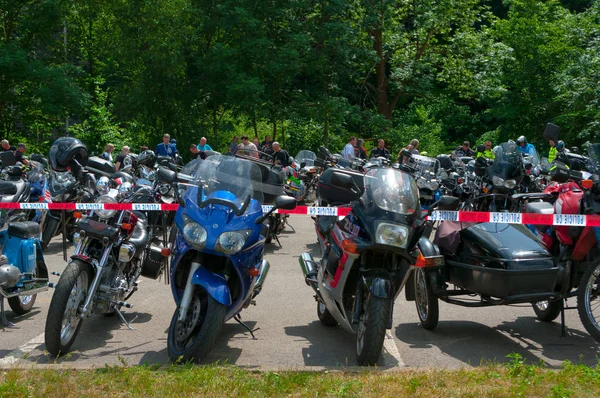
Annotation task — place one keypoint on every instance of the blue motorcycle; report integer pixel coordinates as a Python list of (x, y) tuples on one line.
[(217, 268), (23, 272)]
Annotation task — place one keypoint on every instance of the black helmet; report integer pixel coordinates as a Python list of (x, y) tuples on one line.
[(146, 158), (522, 139), (66, 151)]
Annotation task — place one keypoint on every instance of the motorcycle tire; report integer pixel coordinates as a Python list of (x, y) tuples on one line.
[(426, 301), (547, 311), (50, 227), (324, 315), (589, 289), (205, 318), (371, 329), (70, 293), (22, 304)]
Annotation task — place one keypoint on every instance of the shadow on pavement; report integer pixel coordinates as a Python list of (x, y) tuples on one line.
[(329, 346), (94, 335), (476, 344)]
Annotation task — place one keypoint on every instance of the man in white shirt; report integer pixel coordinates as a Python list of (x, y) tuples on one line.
[(349, 148), (248, 147)]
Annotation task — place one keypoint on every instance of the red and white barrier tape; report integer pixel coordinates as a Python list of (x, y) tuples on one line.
[(462, 216)]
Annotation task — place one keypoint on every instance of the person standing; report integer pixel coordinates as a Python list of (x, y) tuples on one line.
[(233, 146), (464, 150), (203, 146), (553, 151), (524, 147), (108, 150), (380, 150), (19, 154), (349, 148), (360, 152), (280, 156), (249, 149), (7, 147), (267, 145), (165, 148), (121, 158), (487, 151), (196, 153)]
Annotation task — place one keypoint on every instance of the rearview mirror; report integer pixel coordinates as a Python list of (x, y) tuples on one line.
[(302, 165), (447, 203), (166, 175), (285, 202), (342, 181)]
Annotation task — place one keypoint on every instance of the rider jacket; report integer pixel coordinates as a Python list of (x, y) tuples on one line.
[(552, 154), (488, 154)]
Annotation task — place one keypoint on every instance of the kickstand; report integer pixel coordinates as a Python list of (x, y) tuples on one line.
[(277, 239), (128, 324), (289, 225), (5, 322), (238, 319), (563, 328)]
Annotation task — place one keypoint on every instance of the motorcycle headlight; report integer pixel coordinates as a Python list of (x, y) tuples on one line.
[(103, 185), (232, 242), (433, 185), (497, 181), (194, 233), (106, 214), (422, 183), (391, 234), (163, 189), (510, 184)]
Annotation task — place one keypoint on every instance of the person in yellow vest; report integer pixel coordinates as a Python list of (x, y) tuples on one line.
[(553, 151), (487, 151)]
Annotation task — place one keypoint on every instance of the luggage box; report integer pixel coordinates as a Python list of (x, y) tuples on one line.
[(100, 167), (329, 194)]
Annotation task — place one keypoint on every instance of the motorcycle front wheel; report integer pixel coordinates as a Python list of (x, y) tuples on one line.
[(370, 333), (192, 339), (588, 298), (63, 321), (426, 301), (50, 227), (547, 311)]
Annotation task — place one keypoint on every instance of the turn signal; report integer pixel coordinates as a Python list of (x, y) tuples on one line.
[(77, 215), (253, 272), (587, 184), (126, 226), (349, 246), (432, 261), (165, 252)]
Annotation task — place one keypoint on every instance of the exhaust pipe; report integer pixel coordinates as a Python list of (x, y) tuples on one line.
[(264, 270), (309, 269), (30, 288)]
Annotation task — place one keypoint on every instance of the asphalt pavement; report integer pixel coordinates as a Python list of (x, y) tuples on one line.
[(288, 332)]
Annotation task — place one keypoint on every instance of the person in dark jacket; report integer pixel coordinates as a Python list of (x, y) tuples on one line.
[(280, 156), (360, 152), (380, 150)]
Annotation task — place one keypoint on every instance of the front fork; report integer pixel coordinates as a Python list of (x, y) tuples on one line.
[(187, 293), (99, 268)]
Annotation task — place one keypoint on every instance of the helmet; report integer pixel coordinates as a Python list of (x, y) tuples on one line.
[(522, 140), (65, 151), (146, 158), (560, 145), (424, 153), (480, 148), (173, 141)]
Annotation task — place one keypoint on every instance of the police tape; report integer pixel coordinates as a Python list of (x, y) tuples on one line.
[(302, 210), (460, 216)]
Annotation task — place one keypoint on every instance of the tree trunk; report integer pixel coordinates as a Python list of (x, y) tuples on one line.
[(254, 125), (282, 134), (274, 129), (383, 80), (326, 132)]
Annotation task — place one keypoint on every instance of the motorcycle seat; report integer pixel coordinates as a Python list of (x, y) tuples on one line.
[(539, 208), (11, 191), (25, 229)]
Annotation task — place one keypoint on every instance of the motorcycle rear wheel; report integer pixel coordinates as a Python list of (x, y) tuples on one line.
[(547, 311), (426, 301), (370, 333), (192, 339), (22, 304), (63, 321), (589, 290)]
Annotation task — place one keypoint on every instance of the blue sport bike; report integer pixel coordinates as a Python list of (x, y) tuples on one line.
[(217, 266)]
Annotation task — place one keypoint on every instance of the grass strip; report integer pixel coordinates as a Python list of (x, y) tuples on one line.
[(512, 380)]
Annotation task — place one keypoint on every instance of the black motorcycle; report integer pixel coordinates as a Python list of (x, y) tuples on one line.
[(368, 256)]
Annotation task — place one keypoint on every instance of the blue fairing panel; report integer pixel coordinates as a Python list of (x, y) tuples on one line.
[(215, 285)]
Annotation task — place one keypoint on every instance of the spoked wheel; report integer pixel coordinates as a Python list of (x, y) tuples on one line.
[(64, 321), (324, 315), (370, 333), (588, 300), (193, 338), (426, 301), (547, 311), (22, 304)]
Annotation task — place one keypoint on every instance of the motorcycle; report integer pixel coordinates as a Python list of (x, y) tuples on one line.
[(307, 171), (103, 271), (15, 188), (23, 272), (367, 257), (217, 268)]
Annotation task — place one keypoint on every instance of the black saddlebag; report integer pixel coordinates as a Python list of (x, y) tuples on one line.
[(502, 261), (272, 182), (100, 167), (329, 194)]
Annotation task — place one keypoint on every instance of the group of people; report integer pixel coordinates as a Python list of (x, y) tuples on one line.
[(18, 152), (355, 149), (254, 148)]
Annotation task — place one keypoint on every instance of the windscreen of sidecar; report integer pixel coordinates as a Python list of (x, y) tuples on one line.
[(226, 178), (391, 190), (307, 157), (507, 161)]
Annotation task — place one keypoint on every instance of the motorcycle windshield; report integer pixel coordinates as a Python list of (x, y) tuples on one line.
[(307, 157), (225, 180), (594, 155), (61, 182), (391, 190), (36, 172), (533, 157), (507, 162)]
